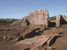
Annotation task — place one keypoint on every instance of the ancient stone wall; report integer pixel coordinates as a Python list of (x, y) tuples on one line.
[(38, 17), (58, 18)]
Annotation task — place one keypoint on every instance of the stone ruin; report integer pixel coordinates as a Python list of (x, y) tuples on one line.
[(40, 17), (45, 39), (58, 21), (37, 17)]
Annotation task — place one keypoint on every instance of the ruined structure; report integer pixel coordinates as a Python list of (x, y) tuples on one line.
[(38, 17), (38, 37), (45, 39), (58, 18)]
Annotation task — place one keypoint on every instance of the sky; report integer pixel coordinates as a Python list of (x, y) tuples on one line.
[(21, 8)]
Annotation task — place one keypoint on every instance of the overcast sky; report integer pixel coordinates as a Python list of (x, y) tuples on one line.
[(21, 8)]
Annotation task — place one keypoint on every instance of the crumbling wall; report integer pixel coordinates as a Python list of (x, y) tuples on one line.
[(38, 17), (58, 21)]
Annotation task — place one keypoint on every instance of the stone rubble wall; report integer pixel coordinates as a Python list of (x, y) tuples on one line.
[(38, 17)]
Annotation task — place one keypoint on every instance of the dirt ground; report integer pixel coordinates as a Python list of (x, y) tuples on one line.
[(60, 43)]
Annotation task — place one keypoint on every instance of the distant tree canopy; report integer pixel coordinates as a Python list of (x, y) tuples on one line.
[(7, 21)]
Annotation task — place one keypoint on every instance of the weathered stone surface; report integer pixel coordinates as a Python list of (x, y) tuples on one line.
[(38, 17), (34, 48), (58, 21), (4, 37), (36, 41), (41, 39)]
